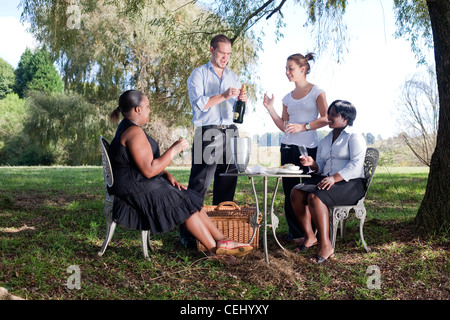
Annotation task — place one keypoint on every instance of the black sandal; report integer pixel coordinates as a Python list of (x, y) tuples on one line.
[(301, 248), (320, 259)]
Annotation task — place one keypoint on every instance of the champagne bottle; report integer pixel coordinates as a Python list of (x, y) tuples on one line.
[(239, 108)]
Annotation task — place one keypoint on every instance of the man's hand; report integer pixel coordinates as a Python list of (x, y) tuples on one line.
[(231, 92)]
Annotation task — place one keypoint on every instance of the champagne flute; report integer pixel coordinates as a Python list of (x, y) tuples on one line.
[(304, 152), (285, 128), (181, 133), (184, 135)]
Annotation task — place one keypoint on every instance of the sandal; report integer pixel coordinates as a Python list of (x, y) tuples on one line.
[(319, 259), (301, 248), (237, 251)]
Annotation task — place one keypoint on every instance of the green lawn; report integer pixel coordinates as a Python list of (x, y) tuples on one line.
[(51, 220)]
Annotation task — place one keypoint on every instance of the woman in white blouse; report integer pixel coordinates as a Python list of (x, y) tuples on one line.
[(304, 111), (338, 179)]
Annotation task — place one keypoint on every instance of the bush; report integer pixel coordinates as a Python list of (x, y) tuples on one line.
[(67, 127), (12, 116), (7, 78)]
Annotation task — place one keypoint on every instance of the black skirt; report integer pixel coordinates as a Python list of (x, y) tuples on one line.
[(342, 193), (142, 203)]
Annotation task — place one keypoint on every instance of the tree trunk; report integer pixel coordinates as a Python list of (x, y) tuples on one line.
[(434, 212)]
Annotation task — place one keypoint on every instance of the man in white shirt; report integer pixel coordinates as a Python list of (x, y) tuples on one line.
[(213, 90)]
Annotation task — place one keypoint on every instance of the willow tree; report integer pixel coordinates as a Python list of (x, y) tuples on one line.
[(418, 108), (104, 47)]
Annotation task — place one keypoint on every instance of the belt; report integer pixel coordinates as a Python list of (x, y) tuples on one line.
[(220, 127)]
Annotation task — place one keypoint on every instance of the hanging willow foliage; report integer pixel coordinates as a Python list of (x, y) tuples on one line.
[(105, 47)]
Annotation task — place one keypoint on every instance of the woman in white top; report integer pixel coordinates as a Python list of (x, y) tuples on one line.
[(304, 111), (338, 179)]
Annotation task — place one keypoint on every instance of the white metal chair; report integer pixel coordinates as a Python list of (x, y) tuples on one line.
[(109, 201), (340, 213)]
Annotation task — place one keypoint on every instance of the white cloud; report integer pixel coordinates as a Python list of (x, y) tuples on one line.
[(15, 39)]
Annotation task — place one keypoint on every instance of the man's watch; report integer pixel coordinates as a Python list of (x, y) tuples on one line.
[(307, 126)]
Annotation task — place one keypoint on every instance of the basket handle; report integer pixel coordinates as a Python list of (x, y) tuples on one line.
[(227, 203)]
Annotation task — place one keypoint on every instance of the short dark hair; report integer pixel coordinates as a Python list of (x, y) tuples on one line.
[(346, 109), (219, 38)]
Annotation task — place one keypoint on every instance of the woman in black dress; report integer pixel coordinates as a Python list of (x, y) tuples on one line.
[(146, 196)]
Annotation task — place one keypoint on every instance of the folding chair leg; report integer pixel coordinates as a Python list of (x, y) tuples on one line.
[(109, 234)]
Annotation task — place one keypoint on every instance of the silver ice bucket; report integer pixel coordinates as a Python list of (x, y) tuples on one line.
[(241, 149)]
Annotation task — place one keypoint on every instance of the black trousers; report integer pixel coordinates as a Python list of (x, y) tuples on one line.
[(291, 154), (211, 156)]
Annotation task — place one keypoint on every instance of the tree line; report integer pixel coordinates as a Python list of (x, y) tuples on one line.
[(40, 123)]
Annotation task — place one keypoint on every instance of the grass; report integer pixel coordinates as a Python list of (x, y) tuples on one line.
[(51, 219)]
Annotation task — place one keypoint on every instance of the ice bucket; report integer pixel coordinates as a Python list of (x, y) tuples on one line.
[(241, 149)]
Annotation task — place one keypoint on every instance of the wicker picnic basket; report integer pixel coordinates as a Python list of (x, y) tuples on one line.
[(234, 222)]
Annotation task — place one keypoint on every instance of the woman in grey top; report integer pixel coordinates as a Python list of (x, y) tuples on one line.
[(304, 111), (338, 179)]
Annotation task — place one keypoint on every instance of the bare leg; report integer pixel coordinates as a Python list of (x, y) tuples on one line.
[(299, 200), (199, 230), (215, 233), (202, 228), (319, 214)]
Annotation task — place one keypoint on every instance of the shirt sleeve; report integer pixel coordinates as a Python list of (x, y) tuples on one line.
[(196, 90), (319, 156), (317, 92), (357, 151), (285, 99)]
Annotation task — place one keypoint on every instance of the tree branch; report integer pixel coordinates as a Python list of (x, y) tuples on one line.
[(254, 14), (277, 9)]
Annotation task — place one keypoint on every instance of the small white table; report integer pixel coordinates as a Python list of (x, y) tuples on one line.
[(274, 221)]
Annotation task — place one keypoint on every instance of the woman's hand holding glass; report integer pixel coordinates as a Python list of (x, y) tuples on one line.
[(295, 127), (306, 161), (179, 146), (304, 155)]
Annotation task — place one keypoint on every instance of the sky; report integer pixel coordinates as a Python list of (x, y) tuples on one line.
[(370, 77), (14, 38)]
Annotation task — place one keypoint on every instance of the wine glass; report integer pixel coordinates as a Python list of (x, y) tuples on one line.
[(181, 133), (184, 134), (304, 152), (285, 123)]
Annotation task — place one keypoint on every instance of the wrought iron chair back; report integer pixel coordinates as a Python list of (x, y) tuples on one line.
[(109, 202)]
